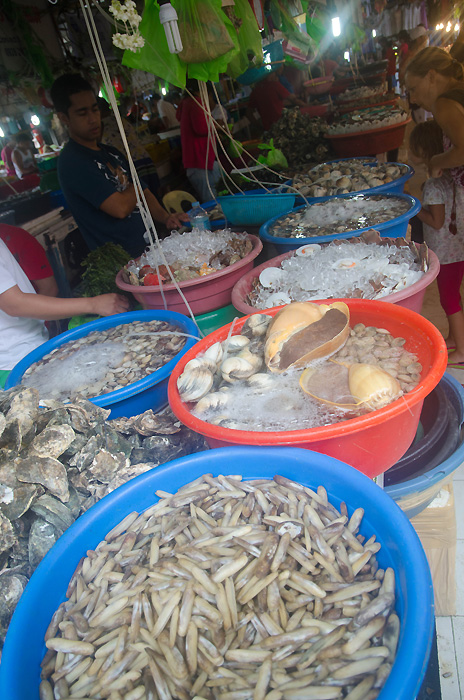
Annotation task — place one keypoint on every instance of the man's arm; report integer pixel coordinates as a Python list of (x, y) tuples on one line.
[(120, 204), (160, 214), (46, 286), (14, 302)]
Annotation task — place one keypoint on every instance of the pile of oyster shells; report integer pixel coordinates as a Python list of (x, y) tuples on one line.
[(366, 120), (58, 460), (341, 177)]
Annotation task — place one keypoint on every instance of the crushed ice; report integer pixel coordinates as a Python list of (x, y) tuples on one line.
[(338, 270)]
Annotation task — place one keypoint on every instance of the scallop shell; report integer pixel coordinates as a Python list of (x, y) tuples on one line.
[(308, 249), (194, 383), (270, 276), (278, 299), (350, 386), (303, 332)]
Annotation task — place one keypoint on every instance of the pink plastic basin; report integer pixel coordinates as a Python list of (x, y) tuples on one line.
[(371, 443), (204, 294), (411, 297)]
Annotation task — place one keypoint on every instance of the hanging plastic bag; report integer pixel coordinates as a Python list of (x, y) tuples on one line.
[(249, 39), (203, 31), (275, 158), (155, 57)]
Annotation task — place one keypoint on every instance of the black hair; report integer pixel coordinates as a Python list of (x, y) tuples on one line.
[(64, 87), (23, 136)]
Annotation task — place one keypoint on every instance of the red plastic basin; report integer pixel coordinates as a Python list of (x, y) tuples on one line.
[(371, 443), (366, 143), (351, 107), (204, 294), (318, 86), (410, 298), (315, 110)]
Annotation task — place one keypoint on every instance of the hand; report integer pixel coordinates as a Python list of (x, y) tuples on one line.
[(109, 304), (176, 220), (435, 172)]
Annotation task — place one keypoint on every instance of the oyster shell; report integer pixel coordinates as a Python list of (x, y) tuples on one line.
[(52, 441), (47, 471), (42, 537), (7, 535), (54, 512), (106, 465), (303, 332)]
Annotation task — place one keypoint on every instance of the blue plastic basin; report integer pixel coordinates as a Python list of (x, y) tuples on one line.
[(401, 549), (395, 228), (149, 392), (394, 187), (441, 471)]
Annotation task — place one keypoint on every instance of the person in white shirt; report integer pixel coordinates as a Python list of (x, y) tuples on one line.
[(23, 312), (166, 111)]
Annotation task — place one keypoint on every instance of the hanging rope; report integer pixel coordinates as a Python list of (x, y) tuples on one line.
[(140, 196)]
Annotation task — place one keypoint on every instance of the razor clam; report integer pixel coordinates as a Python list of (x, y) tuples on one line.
[(235, 608)]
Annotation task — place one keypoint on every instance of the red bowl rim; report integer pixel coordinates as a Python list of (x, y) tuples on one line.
[(257, 248), (320, 433), (390, 127)]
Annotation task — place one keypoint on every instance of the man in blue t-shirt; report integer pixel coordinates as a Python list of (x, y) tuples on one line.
[(95, 178)]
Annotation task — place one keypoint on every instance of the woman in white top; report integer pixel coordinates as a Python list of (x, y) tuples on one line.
[(23, 157), (23, 312)]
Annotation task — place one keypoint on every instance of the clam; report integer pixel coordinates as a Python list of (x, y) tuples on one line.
[(303, 332), (343, 182), (256, 325), (374, 182), (236, 368), (255, 360), (214, 353), (308, 249), (237, 343), (194, 383), (260, 381), (217, 399), (351, 386)]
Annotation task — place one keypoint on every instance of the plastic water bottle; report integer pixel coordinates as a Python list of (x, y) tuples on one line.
[(199, 218)]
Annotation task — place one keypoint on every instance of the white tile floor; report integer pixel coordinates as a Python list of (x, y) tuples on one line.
[(450, 630)]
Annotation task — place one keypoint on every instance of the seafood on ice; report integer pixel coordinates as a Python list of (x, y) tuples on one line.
[(257, 382)]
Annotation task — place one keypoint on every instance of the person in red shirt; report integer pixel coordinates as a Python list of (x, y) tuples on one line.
[(198, 157), (31, 257), (389, 55), (269, 97)]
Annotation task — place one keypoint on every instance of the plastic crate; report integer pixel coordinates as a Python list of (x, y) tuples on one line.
[(255, 209)]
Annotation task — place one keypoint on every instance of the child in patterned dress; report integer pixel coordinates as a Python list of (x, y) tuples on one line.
[(442, 215)]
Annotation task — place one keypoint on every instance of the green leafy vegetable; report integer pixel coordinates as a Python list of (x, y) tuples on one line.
[(101, 267)]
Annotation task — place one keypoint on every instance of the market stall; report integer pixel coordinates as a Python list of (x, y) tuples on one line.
[(246, 568)]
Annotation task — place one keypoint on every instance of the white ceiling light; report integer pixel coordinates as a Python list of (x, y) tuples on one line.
[(336, 29)]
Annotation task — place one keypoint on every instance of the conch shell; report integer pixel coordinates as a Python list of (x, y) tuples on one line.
[(302, 332), (350, 386)]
